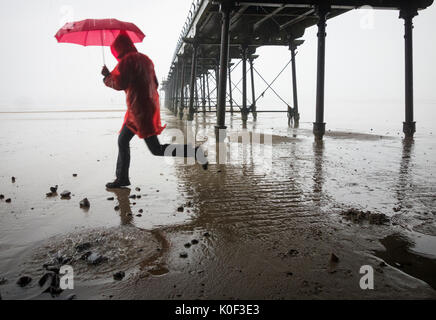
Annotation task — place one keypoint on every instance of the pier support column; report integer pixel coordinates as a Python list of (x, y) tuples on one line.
[(253, 92), (225, 9), (244, 110), (203, 89), (192, 86), (319, 125), (182, 88), (230, 89), (295, 112), (408, 13), (176, 89)]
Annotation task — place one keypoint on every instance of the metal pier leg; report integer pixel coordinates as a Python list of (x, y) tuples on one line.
[(225, 9), (203, 90), (409, 126), (217, 81), (244, 110), (253, 93), (230, 89), (296, 114), (319, 125), (208, 90), (176, 89), (182, 90), (192, 85)]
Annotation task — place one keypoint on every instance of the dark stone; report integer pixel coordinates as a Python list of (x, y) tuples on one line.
[(13, 179), (139, 215), (8, 200), (138, 189), (138, 196), (50, 194), (83, 246), (289, 274), (183, 255), (117, 208), (54, 189), (334, 258), (65, 194), (85, 255), (141, 211), (293, 252), (206, 234), (133, 196), (180, 209), (111, 198), (85, 203), (74, 174), (24, 281), (2, 196), (187, 245), (194, 241), (119, 275), (46, 279)]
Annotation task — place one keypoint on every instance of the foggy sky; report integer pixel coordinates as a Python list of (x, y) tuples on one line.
[(364, 57)]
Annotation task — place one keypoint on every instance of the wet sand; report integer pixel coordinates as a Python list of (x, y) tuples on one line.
[(265, 230)]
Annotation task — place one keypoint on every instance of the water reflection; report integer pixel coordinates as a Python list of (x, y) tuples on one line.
[(405, 176), (399, 254), (125, 209), (318, 174)]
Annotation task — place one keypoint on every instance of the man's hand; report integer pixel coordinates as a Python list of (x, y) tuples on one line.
[(105, 71)]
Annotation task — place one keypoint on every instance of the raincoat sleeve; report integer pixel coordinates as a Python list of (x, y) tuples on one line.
[(119, 77)]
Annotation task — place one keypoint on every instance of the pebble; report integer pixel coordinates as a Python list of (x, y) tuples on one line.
[(183, 255), (65, 194), (133, 196), (74, 174), (83, 246), (141, 211), (85, 203), (24, 281), (334, 258), (180, 209), (119, 275), (2, 196), (194, 241), (138, 189), (8, 200), (54, 189), (139, 215), (50, 194), (187, 245), (13, 179), (206, 234), (117, 208), (111, 198), (96, 259)]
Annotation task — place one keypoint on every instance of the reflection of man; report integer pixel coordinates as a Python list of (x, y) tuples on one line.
[(136, 76), (122, 195)]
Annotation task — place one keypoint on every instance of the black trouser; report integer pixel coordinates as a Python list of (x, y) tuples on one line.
[(157, 149)]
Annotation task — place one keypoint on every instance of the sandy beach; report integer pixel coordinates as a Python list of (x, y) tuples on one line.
[(300, 227)]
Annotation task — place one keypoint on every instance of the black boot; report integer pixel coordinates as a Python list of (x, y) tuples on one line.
[(118, 183)]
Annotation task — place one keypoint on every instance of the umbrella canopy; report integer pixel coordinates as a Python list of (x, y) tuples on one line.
[(97, 32)]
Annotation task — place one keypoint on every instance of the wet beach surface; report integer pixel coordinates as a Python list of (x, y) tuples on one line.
[(250, 228)]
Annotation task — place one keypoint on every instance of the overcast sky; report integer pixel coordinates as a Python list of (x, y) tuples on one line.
[(365, 54)]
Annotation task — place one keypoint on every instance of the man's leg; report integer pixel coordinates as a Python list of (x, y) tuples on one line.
[(175, 150), (123, 161)]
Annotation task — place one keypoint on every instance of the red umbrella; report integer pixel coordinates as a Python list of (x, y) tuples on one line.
[(97, 32)]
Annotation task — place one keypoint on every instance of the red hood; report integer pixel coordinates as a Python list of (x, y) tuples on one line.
[(122, 45)]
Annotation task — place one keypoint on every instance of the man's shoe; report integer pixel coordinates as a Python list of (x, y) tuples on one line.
[(118, 184)]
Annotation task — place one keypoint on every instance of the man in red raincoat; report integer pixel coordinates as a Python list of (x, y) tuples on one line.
[(136, 76)]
